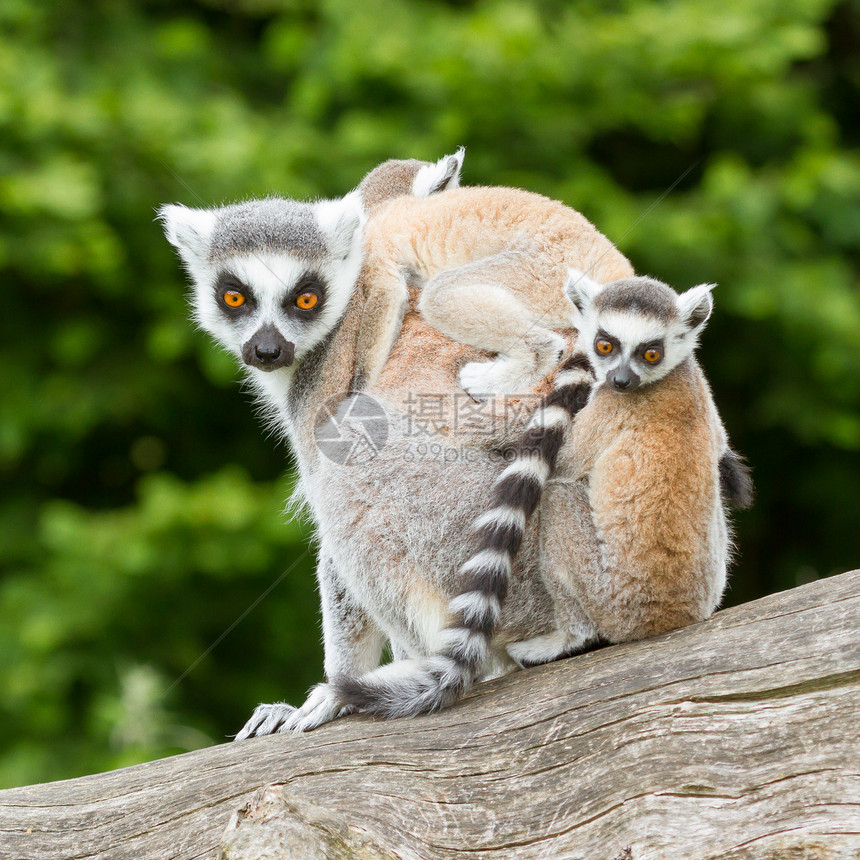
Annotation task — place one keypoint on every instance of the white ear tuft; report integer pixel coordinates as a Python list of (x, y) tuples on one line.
[(695, 306), (445, 173), (188, 230), (581, 290), (341, 222)]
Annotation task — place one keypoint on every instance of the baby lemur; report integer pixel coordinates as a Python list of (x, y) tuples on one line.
[(490, 264), (641, 485)]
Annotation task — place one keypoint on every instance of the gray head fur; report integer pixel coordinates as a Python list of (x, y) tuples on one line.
[(390, 179), (643, 296), (270, 253), (270, 224)]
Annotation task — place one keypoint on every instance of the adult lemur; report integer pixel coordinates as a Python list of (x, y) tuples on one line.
[(280, 284)]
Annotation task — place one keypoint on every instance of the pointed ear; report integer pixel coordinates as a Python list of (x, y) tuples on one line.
[(188, 230), (695, 306), (581, 290), (445, 173), (341, 221)]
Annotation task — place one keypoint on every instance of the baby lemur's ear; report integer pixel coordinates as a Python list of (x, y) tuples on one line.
[(342, 222), (444, 174), (188, 230), (695, 306), (582, 291)]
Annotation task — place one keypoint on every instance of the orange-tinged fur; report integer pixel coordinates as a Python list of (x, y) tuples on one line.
[(425, 361), (644, 467), (490, 265)]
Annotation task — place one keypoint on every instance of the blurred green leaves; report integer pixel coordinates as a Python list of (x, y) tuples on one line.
[(140, 503)]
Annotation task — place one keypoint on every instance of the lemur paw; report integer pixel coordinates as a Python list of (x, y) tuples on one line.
[(266, 720), (543, 649), (549, 349), (322, 706), (518, 372), (504, 375)]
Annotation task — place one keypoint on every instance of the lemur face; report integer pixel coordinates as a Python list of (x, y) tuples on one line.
[(636, 330), (271, 277)]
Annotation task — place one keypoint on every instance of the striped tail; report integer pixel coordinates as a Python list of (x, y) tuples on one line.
[(409, 687)]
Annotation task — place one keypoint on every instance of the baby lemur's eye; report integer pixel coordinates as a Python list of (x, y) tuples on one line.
[(307, 301), (604, 347), (233, 298), (651, 355)]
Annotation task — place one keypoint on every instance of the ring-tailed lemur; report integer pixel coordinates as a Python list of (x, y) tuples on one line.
[(275, 282), (638, 337), (649, 458), (314, 248)]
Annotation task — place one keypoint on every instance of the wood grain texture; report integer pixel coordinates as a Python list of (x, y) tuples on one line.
[(737, 738)]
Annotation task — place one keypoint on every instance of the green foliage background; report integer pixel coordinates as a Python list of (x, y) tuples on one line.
[(141, 505)]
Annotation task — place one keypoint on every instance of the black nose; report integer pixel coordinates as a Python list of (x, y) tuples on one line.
[(267, 353), (624, 379), (268, 349)]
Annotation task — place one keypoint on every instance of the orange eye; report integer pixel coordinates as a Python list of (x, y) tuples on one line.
[(651, 355), (604, 347), (307, 301), (234, 299)]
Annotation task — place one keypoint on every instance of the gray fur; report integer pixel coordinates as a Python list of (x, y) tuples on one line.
[(644, 296), (399, 178), (484, 579), (391, 179), (269, 224)]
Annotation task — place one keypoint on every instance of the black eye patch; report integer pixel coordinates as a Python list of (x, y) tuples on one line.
[(650, 353), (233, 298), (602, 337), (307, 297)]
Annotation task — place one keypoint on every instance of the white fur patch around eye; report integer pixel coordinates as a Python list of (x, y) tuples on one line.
[(631, 329), (273, 276), (270, 277)]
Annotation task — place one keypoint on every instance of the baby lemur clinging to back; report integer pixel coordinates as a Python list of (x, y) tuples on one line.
[(650, 460), (490, 264)]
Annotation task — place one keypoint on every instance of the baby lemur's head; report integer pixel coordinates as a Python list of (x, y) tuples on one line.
[(635, 330)]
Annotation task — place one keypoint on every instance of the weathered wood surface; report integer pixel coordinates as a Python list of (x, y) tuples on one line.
[(737, 738)]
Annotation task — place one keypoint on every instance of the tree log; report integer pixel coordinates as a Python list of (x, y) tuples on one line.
[(735, 738)]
